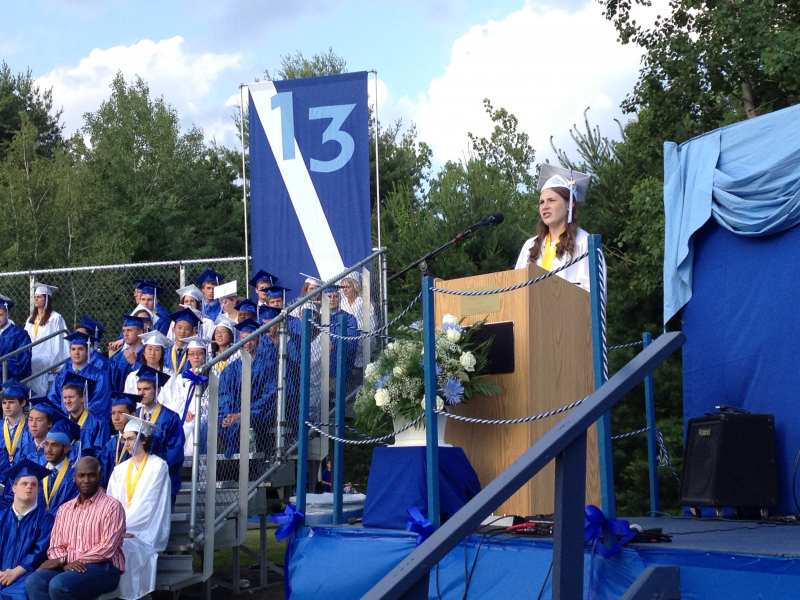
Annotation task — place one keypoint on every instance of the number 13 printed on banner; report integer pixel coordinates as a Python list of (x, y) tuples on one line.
[(337, 113)]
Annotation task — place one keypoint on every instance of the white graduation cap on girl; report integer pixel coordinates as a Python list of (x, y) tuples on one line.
[(191, 290), (140, 427), (576, 182), (154, 338)]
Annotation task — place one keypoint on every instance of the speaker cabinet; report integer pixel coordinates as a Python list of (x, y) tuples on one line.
[(730, 462)]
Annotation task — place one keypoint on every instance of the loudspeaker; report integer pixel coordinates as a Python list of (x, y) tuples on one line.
[(730, 462)]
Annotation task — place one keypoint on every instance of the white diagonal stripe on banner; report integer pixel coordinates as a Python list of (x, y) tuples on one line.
[(298, 183)]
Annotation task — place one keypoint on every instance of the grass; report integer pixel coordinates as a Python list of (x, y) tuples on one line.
[(223, 559)]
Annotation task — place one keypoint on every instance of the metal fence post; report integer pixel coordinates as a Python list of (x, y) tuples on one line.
[(281, 412), (211, 478), (182, 275), (198, 447), (31, 282), (432, 450), (244, 446), (341, 393), (650, 415), (305, 399), (366, 297), (605, 455)]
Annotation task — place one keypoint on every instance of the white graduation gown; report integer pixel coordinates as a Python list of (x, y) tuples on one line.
[(46, 353), (578, 273), (147, 522), (357, 310), (175, 400), (132, 379)]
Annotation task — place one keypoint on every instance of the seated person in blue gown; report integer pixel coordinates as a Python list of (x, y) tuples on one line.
[(59, 486), (25, 527), (16, 436), (128, 359), (95, 332), (78, 364), (41, 417), (268, 348), (13, 337), (115, 453), (262, 404), (78, 394), (208, 280), (185, 326), (169, 439), (261, 282), (246, 309), (149, 299), (276, 298)]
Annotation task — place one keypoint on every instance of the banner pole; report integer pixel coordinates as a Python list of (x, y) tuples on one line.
[(244, 190), (382, 260)]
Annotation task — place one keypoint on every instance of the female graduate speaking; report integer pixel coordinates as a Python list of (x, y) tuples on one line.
[(558, 238)]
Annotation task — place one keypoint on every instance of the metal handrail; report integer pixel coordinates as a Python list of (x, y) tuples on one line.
[(13, 353), (44, 371), (166, 263), (286, 310)]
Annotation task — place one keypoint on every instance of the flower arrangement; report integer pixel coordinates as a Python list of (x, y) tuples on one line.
[(394, 385)]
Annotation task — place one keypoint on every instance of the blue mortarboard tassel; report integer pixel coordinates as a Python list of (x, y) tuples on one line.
[(287, 521), (419, 525)]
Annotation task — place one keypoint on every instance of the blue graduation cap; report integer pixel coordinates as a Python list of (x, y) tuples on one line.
[(247, 305), (14, 389), (44, 405), (80, 381), (27, 468), (185, 314), (131, 321), (277, 291), (7, 302), (150, 374), (96, 328), (247, 326), (209, 275), (267, 313), (152, 288), (332, 289), (78, 338), (64, 430), (262, 275), (141, 283), (123, 399)]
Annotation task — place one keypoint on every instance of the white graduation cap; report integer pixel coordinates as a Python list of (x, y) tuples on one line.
[(43, 289), (224, 321), (312, 280), (141, 427), (142, 308), (191, 290), (154, 338), (197, 341), (576, 182), (226, 290)]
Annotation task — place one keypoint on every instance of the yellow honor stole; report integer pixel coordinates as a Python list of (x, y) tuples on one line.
[(82, 419), (548, 254), (119, 453), (48, 495), (36, 329), (11, 447), (156, 412), (131, 481), (178, 368)]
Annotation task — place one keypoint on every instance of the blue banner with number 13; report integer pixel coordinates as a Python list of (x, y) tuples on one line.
[(309, 176)]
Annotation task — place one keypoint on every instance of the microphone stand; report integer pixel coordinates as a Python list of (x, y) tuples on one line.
[(423, 262)]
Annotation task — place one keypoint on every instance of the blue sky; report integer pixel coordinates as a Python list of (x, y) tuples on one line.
[(436, 59)]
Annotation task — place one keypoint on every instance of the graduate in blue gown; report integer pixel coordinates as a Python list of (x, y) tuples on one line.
[(59, 487), (13, 337), (263, 381), (148, 298), (168, 442), (95, 332), (16, 436), (41, 417), (185, 326), (115, 453), (78, 394), (276, 298), (208, 280), (261, 282), (352, 331), (78, 364), (129, 359), (25, 527)]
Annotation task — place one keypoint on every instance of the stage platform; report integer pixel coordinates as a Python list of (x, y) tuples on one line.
[(719, 559)]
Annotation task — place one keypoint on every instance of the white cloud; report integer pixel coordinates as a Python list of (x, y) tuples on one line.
[(541, 64), (185, 80)]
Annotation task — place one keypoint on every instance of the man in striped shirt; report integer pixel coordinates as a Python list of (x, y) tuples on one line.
[(85, 554)]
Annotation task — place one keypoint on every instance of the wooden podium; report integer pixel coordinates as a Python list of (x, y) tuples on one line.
[(552, 368)]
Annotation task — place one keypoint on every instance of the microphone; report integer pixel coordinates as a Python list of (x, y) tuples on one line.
[(495, 219)]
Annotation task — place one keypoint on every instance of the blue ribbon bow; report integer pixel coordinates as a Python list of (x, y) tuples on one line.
[(287, 521), (594, 524), (196, 380), (419, 525)]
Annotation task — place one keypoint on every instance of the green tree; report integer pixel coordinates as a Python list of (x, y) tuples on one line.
[(20, 96), (297, 66)]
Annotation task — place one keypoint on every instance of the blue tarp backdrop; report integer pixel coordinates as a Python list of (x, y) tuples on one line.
[(309, 176), (746, 176), (742, 329)]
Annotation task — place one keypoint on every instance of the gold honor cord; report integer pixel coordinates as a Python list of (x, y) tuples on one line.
[(12, 447), (131, 481), (82, 419), (178, 369), (548, 254), (119, 454), (48, 495)]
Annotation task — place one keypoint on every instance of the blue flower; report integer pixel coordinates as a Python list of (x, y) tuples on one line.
[(383, 381), (454, 326), (438, 368), (416, 325), (452, 390)]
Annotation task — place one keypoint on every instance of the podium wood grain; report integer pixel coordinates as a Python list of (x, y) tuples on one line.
[(552, 367)]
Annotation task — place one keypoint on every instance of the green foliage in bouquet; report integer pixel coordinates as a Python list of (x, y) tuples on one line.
[(394, 385)]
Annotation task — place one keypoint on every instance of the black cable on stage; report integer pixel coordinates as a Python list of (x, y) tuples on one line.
[(544, 583), (468, 574)]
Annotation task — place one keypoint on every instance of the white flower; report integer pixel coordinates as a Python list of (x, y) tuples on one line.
[(453, 335), (468, 361), (370, 370), (382, 397), (439, 403), (398, 371), (449, 319), (463, 376)]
